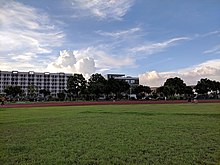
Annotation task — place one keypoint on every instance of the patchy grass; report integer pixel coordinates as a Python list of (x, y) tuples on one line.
[(111, 134)]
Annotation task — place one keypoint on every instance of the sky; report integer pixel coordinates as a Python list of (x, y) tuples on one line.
[(150, 39)]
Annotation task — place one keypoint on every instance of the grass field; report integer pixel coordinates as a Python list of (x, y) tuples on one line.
[(111, 134)]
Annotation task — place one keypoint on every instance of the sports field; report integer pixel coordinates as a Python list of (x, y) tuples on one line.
[(111, 134)]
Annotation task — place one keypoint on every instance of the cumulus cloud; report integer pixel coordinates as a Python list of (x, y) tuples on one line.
[(104, 60), (67, 62), (209, 69), (66, 58), (87, 61), (103, 9), (26, 33), (157, 47)]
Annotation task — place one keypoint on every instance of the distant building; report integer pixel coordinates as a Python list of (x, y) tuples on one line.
[(133, 81), (54, 82)]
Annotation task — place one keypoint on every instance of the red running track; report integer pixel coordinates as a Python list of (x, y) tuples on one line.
[(49, 104)]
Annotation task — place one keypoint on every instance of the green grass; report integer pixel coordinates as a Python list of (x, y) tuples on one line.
[(113, 134)]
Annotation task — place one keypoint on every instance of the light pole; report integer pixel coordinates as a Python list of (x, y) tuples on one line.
[(130, 93)]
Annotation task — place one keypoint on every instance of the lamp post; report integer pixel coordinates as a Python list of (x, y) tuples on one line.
[(130, 93)]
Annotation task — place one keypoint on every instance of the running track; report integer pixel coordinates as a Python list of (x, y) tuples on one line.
[(75, 103)]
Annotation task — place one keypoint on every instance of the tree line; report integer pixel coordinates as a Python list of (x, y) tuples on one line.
[(176, 88), (97, 87)]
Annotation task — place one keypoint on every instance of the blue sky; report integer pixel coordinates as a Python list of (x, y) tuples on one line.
[(154, 40)]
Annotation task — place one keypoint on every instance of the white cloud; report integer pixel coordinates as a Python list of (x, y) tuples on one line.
[(66, 58), (214, 50), (4, 66), (157, 47), (119, 34), (26, 33), (209, 69), (26, 57), (103, 9), (20, 66), (87, 61), (67, 62), (103, 60), (215, 33)]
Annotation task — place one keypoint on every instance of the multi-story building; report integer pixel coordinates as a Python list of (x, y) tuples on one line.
[(53, 82), (133, 81)]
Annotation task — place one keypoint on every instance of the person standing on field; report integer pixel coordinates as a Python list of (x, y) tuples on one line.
[(3, 101)]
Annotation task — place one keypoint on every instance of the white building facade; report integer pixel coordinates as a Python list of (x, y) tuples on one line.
[(53, 82)]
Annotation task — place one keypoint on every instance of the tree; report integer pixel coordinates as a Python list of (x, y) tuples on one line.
[(96, 85), (76, 85), (203, 86), (116, 87), (13, 91), (123, 86), (171, 87), (32, 92), (215, 87), (44, 92), (164, 91), (188, 90), (141, 91), (61, 96), (175, 86), (111, 87), (160, 91)]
